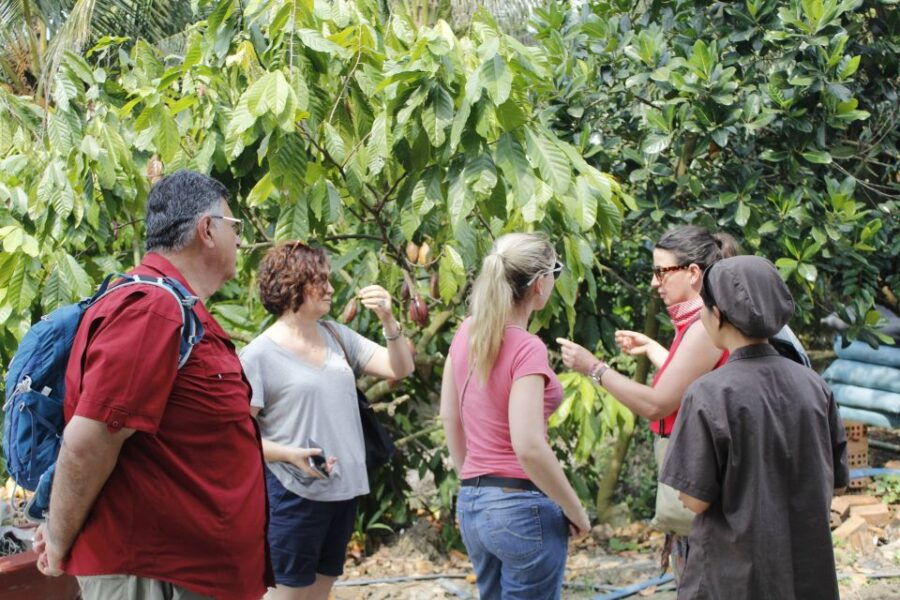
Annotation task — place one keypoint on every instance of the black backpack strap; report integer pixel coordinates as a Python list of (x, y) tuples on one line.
[(101, 290)]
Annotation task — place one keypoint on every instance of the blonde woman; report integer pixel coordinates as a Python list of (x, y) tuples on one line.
[(515, 507)]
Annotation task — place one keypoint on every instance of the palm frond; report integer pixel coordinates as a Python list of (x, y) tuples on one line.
[(74, 35), (89, 20)]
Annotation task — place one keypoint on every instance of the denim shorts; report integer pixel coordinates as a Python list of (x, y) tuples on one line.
[(517, 541), (306, 536)]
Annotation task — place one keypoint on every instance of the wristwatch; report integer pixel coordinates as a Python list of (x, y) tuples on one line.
[(391, 338), (597, 372)]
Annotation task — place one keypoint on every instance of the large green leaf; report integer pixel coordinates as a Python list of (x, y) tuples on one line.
[(549, 159), (293, 221), (167, 139), (261, 191), (582, 206), (334, 143), (819, 157), (481, 176), (278, 92), (496, 78), (452, 274), (20, 285), (255, 98), (459, 122), (379, 144), (437, 115), (460, 200), (314, 40), (56, 292), (74, 275)]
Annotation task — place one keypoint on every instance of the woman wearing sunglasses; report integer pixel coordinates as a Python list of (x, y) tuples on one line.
[(303, 372), (679, 259), (515, 507)]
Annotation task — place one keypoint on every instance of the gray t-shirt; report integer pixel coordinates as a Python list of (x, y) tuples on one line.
[(299, 401)]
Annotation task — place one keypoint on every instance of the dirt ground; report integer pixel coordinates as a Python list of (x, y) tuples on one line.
[(605, 561)]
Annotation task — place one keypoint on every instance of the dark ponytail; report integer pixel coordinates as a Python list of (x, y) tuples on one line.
[(727, 244), (695, 245)]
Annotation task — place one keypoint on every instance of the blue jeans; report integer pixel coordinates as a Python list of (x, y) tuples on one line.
[(517, 542)]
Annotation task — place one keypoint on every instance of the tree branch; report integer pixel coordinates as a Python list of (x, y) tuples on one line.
[(346, 83), (421, 433), (866, 185), (628, 285), (329, 238)]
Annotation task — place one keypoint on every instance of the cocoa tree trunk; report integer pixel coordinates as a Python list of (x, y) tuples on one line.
[(623, 439)]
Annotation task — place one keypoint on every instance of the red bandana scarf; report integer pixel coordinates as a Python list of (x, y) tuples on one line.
[(685, 312)]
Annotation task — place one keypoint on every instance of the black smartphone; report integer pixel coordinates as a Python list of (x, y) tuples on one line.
[(317, 461)]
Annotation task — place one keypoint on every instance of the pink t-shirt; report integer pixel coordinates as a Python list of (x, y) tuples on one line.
[(485, 408)]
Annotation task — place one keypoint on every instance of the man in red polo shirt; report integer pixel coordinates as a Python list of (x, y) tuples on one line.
[(159, 489)]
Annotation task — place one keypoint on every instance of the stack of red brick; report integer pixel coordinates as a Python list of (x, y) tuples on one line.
[(859, 519)]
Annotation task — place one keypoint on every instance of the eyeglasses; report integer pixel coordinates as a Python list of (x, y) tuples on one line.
[(658, 272), (556, 270), (236, 224)]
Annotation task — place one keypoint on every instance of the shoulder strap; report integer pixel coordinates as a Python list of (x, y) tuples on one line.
[(191, 327), (337, 338)]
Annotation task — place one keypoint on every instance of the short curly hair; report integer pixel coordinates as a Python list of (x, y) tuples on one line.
[(288, 273)]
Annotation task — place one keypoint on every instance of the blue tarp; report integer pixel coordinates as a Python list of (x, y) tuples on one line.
[(866, 383), (870, 417), (888, 356), (866, 398), (866, 375)]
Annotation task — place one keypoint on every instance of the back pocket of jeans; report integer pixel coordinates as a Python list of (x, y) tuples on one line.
[(515, 532)]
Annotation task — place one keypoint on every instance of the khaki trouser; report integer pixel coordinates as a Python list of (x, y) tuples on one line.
[(132, 587), (671, 515)]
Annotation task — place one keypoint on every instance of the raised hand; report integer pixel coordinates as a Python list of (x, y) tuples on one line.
[(377, 299), (632, 342), (575, 357)]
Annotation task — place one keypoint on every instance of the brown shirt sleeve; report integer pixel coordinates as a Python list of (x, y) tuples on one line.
[(692, 462), (838, 444)]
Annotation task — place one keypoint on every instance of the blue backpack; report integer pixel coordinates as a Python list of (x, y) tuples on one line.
[(35, 386)]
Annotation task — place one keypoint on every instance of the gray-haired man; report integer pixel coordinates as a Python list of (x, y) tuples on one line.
[(159, 489)]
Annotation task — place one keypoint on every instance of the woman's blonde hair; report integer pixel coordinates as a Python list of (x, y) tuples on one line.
[(515, 262)]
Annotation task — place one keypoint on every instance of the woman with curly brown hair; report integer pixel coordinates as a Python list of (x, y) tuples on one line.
[(304, 395)]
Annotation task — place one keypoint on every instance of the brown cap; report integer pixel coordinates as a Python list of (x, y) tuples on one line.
[(750, 293)]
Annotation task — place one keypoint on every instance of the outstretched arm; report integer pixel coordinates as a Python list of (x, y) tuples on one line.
[(697, 356), (634, 343)]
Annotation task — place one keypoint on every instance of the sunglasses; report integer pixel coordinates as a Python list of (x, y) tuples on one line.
[(236, 224), (556, 270), (658, 272)]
